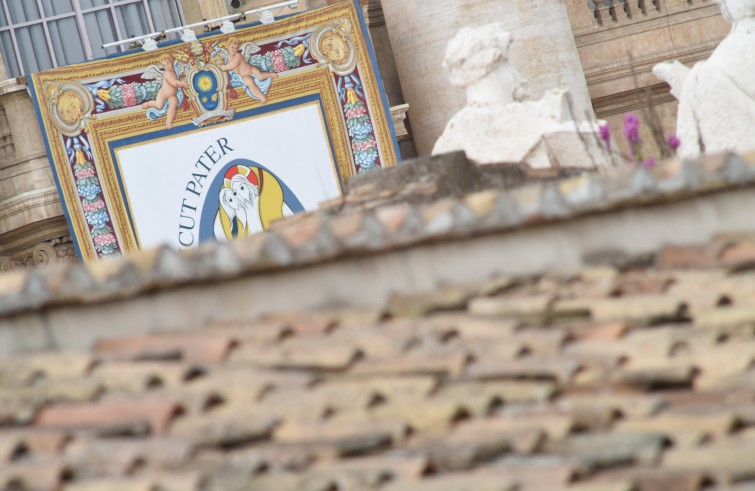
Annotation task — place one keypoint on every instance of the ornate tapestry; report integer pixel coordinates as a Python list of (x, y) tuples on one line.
[(217, 138)]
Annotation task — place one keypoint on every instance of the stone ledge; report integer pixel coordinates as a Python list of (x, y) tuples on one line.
[(622, 210), (13, 85), (400, 117)]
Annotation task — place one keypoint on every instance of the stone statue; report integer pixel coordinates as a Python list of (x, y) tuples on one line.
[(717, 96), (499, 124)]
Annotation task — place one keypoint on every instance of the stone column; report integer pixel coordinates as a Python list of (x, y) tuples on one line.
[(30, 208), (544, 51)]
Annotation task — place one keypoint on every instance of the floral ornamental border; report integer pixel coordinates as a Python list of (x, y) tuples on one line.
[(154, 84), (89, 190)]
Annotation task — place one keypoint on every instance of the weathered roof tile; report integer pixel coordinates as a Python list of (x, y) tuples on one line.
[(107, 414), (317, 355), (225, 427), (527, 308), (728, 461), (637, 376), (44, 474), (342, 437), (611, 449), (452, 482), (535, 368), (199, 347), (442, 365)]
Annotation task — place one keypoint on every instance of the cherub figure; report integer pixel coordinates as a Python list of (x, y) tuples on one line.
[(168, 94), (237, 62)]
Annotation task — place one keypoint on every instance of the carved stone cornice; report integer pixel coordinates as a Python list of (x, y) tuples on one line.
[(22, 238), (57, 250), (632, 100), (13, 85), (613, 72), (29, 207)]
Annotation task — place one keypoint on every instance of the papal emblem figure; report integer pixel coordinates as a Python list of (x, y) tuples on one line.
[(249, 200)]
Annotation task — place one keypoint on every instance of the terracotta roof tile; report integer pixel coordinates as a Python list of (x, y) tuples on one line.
[(653, 479), (301, 353), (24, 370), (110, 414), (356, 434), (390, 467), (441, 365), (21, 404), (452, 482), (202, 347), (534, 368), (611, 449), (726, 462), (524, 308), (535, 471), (274, 481), (459, 451), (43, 474), (40, 441), (12, 446), (227, 426)]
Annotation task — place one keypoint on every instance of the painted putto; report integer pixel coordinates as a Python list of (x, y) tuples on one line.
[(170, 95), (235, 61)]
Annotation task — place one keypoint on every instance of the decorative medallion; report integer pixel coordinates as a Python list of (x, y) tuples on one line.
[(71, 104), (332, 44)]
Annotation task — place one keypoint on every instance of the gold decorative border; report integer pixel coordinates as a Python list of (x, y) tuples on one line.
[(135, 124), (107, 127)]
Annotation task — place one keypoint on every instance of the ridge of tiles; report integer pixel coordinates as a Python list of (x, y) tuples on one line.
[(605, 380), (364, 222)]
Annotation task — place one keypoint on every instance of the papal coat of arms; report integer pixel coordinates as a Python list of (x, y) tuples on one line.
[(203, 78)]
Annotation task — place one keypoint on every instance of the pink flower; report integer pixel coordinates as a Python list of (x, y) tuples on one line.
[(90, 207), (674, 142), (279, 63), (104, 240), (650, 163), (356, 112), (129, 96), (362, 146), (632, 128), (84, 173), (605, 134)]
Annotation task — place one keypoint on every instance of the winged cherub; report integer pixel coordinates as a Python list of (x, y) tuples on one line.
[(236, 62), (167, 100)]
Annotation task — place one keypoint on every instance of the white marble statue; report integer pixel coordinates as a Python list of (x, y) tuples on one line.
[(717, 96), (499, 124)]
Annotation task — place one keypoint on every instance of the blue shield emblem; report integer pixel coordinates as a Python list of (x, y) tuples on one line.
[(205, 84), (206, 92)]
